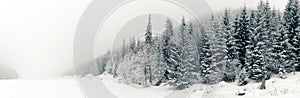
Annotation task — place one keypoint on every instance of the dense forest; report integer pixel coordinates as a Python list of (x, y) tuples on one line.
[(240, 45)]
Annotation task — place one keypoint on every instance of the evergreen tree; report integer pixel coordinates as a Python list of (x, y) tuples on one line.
[(234, 46), (158, 65), (219, 49), (132, 45), (269, 39), (250, 48), (243, 36), (277, 42), (149, 53), (148, 35), (174, 71), (188, 56), (230, 69), (166, 42), (280, 48), (205, 59), (291, 30), (257, 70), (242, 78)]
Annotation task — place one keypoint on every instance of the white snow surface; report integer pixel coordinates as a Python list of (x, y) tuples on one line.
[(51, 88), (67, 87), (275, 88)]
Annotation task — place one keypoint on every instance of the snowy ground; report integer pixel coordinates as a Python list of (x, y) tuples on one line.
[(275, 88), (69, 88), (52, 88)]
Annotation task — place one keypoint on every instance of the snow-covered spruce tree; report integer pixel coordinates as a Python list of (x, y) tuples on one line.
[(291, 30), (218, 49), (132, 45), (192, 59), (234, 47), (205, 56), (241, 43), (275, 20), (139, 46), (257, 70), (277, 41), (226, 25), (242, 78), (114, 62), (110, 64), (269, 40), (131, 69), (188, 55), (243, 36), (158, 65), (175, 62), (251, 36), (103, 61), (166, 41), (148, 35), (230, 68), (148, 53), (280, 47)]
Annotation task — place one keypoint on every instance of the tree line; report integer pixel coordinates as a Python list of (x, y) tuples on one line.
[(234, 46)]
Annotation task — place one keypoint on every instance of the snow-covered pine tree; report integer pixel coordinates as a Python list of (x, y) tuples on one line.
[(234, 46), (148, 53), (131, 69), (175, 62), (103, 61), (205, 56), (193, 55), (158, 65), (275, 20), (276, 44), (280, 47), (291, 29), (257, 70), (166, 40), (148, 35), (188, 55), (250, 48), (226, 26), (243, 36), (218, 49), (242, 78), (230, 69), (139, 46), (132, 45), (269, 38)]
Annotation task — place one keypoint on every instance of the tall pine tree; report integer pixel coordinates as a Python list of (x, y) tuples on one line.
[(291, 30), (166, 43)]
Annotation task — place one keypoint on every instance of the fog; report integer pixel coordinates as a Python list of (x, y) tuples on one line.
[(36, 36)]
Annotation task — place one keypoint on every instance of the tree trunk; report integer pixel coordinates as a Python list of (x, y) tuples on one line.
[(145, 73), (263, 84), (294, 69), (150, 72)]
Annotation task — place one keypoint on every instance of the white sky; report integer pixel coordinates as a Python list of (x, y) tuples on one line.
[(36, 36)]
